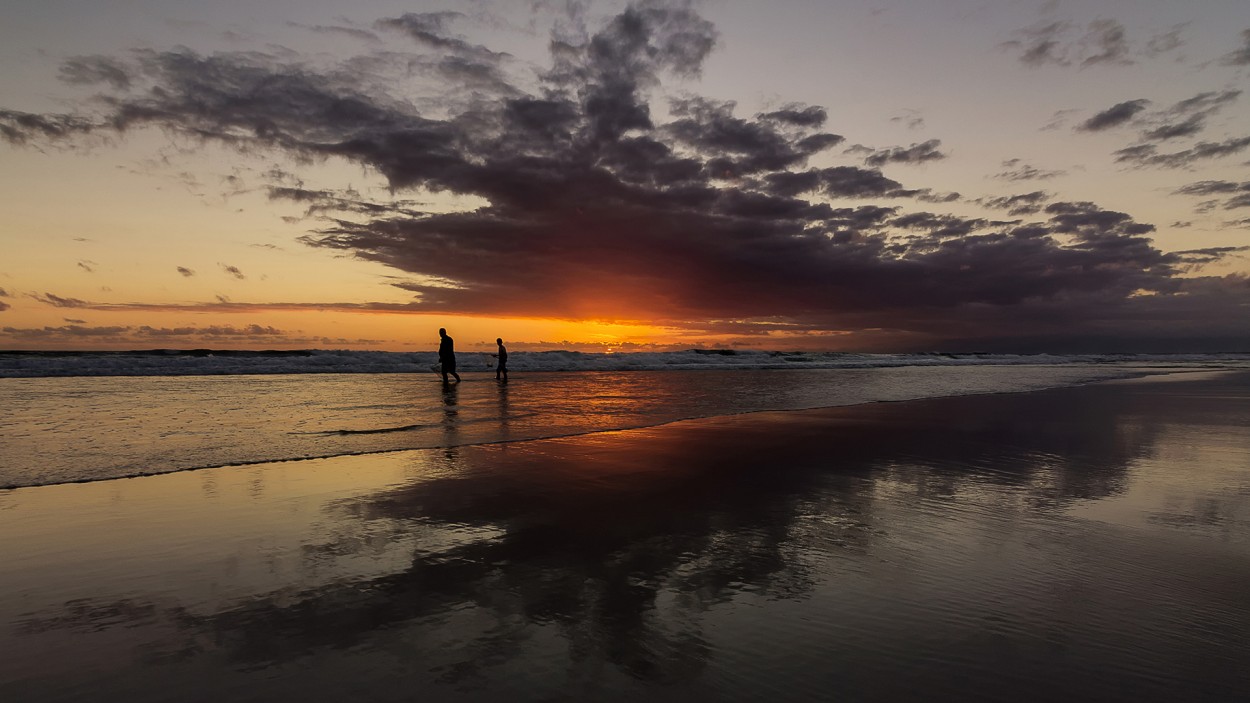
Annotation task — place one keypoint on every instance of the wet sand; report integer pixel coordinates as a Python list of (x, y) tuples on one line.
[(1086, 543)]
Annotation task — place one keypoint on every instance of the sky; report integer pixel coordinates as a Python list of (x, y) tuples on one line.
[(843, 175)]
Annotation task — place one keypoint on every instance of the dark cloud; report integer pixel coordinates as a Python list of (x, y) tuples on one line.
[(1114, 116), (1041, 45), (232, 270), (74, 321), (431, 30), (88, 266), (210, 331), (1108, 43), (4, 293), (59, 302), (596, 206), (1148, 154), (1187, 128), (1240, 193), (798, 115), (1102, 41), (186, 272), (146, 334), (914, 154), (1239, 201), (21, 127), (4, 306), (1213, 188), (911, 118), (90, 70), (1204, 103), (352, 32), (1017, 170), (1166, 41), (1187, 117), (72, 331), (1201, 257), (1022, 204), (1240, 57), (320, 202)]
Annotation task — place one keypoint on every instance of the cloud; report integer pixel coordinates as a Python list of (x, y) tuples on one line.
[(1114, 116), (431, 30), (590, 203), (1148, 155), (21, 127), (232, 270), (210, 331), (4, 293), (1209, 255), (912, 119), (914, 154), (90, 70), (87, 265), (230, 336), (144, 333), (1240, 57), (1240, 193), (1165, 42), (1041, 44), (1103, 41), (352, 32), (59, 302), (4, 306), (1022, 204), (1187, 117), (1108, 42), (72, 331), (186, 272), (1017, 170)]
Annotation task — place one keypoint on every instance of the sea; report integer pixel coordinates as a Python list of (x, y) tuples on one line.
[(699, 526), (75, 417)]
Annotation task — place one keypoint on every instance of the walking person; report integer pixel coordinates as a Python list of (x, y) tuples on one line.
[(447, 355), (502, 366)]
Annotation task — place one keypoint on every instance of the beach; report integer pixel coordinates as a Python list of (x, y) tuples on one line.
[(1086, 542)]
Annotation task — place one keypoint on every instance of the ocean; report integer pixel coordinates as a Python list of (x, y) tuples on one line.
[(89, 417), (785, 528)]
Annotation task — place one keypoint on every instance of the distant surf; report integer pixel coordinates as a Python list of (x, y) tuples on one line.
[(206, 362)]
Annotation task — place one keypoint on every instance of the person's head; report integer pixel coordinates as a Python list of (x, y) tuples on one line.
[(499, 341), (442, 332)]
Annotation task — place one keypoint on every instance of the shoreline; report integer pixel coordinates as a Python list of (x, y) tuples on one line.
[(1142, 376)]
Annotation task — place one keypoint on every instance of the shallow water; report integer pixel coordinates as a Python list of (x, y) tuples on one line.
[(57, 430), (1086, 543)]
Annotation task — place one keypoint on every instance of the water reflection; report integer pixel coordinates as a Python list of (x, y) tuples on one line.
[(625, 551)]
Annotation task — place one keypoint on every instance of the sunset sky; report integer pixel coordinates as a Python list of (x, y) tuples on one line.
[(886, 175)]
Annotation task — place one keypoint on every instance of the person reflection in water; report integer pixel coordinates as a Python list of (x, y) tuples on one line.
[(447, 355), (502, 366)]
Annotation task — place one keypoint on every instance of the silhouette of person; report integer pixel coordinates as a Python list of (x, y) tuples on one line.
[(447, 355), (502, 366)]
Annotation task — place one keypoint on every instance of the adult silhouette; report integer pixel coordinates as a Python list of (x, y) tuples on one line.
[(502, 366), (447, 355)]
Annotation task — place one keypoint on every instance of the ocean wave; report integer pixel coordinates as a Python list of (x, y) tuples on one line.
[(165, 362)]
